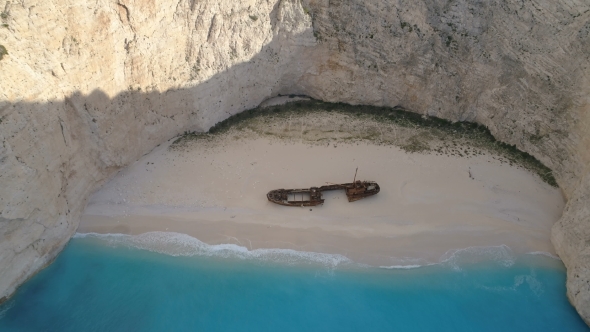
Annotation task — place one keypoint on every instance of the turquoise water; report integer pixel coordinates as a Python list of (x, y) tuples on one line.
[(105, 285)]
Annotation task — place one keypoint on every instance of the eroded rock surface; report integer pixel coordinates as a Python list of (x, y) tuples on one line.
[(88, 87)]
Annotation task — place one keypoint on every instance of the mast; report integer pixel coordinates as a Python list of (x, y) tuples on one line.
[(354, 181)]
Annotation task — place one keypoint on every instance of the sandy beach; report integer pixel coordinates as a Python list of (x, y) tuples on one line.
[(429, 204)]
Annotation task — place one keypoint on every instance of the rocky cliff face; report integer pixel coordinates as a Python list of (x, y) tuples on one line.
[(88, 87)]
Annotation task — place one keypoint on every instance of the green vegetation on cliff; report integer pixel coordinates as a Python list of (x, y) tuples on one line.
[(3, 51), (317, 122)]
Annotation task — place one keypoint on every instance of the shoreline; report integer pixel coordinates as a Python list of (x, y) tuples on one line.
[(183, 245), (371, 250), (215, 191)]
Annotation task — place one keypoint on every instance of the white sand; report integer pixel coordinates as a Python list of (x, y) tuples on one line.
[(428, 204)]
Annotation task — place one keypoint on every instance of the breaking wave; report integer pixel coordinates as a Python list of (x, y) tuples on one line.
[(5, 308), (544, 253), (401, 267), (455, 258), (178, 244)]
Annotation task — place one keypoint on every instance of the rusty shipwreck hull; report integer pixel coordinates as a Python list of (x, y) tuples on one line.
[(313, 196)]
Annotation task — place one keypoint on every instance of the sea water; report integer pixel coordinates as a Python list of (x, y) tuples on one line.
[(171, 282)]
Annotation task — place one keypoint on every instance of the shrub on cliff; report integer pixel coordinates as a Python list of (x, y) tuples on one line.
[(3, 51)]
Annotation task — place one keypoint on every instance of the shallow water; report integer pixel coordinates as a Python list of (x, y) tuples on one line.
[(100, 284)]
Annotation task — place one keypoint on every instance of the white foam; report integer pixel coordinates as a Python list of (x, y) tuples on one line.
[(530, 280), (402, 267), (406, 263), (6, 307), (543, 253), (456, 257), (178, 244)]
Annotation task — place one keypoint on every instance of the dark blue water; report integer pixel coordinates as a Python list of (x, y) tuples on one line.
[(95, 286)]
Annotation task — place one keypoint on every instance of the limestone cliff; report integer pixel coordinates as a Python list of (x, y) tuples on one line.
[(88, 87)]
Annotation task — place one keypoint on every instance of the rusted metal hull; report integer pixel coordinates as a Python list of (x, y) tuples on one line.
[(288, 197), (313, 196)]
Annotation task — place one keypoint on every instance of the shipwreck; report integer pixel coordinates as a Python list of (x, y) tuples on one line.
[(355, 191)]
